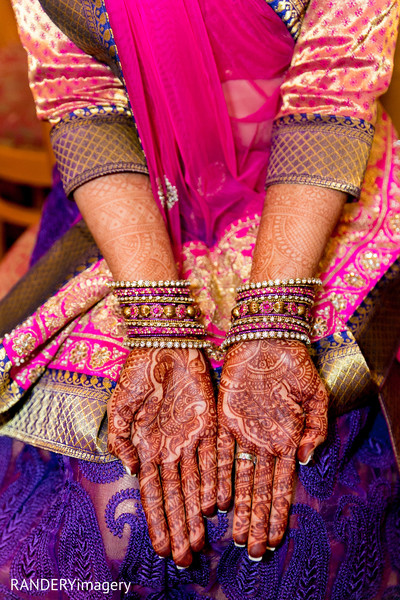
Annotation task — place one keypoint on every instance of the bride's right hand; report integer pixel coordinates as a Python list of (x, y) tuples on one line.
[(162, 424)]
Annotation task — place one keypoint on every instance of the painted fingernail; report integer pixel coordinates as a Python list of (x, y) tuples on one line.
[(254, 559), (271, 549), (239, 545), (307, 461), (181, 568), (128, 470)]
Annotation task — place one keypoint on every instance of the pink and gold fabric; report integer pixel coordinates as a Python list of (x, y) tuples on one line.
[(82, 97)]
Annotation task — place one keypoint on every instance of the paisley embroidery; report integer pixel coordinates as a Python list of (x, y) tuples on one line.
[(307, 574), (25, 499), (141, 565), (358, 524), (217, 531), (79, 553), (243, 579), (98, 473)]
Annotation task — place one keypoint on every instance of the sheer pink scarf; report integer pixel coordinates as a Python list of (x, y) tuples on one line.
[(203, 78)]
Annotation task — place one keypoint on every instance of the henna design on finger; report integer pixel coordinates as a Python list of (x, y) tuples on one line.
[(281, 499), (261, 505), (225, 451), (273, 402), (173, 503), (208, 473), (175, 417), (152, 502), (243, 495), (191, 493)]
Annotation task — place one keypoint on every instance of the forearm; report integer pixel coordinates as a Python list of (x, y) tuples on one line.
[(127, 225), (296, 224)]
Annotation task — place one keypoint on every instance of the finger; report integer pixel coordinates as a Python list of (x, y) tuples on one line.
[(243, 494), (225, 454), (174, 509), (119, 436), (314, 434), (191, 492), (261, 506), (281, 499), (316, 424), (152, 502), (208, 471)]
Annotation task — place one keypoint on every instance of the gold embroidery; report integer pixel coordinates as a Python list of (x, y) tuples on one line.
[(92, 146), (66, 412), (100, 355), (78, 353), (291, 12), (10, 392), (216, 273), (24, 344), (343, 370), (320, 150)]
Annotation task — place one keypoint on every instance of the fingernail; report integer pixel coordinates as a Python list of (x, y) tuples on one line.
[(307, 461), (254, 559), (271, 549), (223, 512), (128, 470), (181, 568), (160, 557), (239, 545)]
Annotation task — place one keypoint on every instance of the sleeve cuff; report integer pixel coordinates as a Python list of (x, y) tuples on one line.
[(324, 150), (89, 146)]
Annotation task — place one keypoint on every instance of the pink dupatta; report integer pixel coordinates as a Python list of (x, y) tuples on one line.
[(203, 79)]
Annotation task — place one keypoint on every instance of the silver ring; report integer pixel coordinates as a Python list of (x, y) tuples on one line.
[(246, 456)]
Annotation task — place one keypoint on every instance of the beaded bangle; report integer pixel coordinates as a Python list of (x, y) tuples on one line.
[(167, 343), (289, 335), (160, 311), (273, 309), (280, 282), (160, 314), (260, 309), (148, 284)]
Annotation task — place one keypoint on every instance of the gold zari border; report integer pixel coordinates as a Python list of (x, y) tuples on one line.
[(326, 151)]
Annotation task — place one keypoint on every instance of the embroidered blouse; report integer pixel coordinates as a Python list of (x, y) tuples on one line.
[(342, 62)]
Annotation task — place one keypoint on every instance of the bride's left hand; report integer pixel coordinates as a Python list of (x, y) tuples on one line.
[(273, 404)]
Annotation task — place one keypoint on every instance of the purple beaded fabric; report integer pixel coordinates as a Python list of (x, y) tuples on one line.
[(65, 519)]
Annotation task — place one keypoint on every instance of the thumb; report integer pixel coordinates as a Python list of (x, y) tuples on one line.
[(314, 434)]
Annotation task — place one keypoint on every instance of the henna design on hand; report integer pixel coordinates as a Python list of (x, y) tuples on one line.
[(274, 404), (169, 396)]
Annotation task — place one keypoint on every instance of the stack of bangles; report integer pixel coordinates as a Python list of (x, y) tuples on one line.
[(163, 314), (160, 314), (273, 309)]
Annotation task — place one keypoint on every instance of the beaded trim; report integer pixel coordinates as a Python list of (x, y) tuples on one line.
[(279, 282), (167, 343), (148, 284)]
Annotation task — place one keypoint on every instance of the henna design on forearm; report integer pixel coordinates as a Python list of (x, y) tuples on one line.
[(296, 224), (128, 227), (175, 419), (275, 405)]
